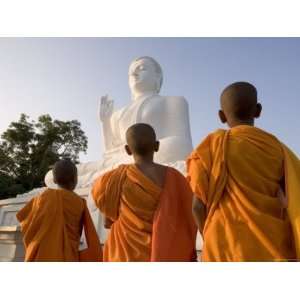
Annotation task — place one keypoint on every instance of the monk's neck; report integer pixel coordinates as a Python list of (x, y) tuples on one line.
[(143, 161), (142, 96), (66, 188), (235, 123)]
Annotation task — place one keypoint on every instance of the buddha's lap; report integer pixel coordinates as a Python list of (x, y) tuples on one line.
[(87, 174)]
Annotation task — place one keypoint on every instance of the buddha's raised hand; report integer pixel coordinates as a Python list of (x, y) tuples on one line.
[(105, 108)]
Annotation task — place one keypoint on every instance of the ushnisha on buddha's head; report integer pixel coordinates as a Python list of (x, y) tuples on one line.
[(239, 104), (145, 76), (65, 174), (141, 142)]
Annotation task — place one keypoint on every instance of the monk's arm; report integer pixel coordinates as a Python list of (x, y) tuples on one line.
[(282, 184), (103, 194), (107, 222), (281, 194), (199, 213)]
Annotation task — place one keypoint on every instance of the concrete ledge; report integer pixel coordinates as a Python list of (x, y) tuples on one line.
[(11, 244), (13, 228)]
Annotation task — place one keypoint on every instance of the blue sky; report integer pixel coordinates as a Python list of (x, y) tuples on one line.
[(65, 77)]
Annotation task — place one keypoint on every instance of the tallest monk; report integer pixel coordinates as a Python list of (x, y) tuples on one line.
[(246, 185)]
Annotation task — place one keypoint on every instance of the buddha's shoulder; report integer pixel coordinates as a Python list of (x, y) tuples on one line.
[(172, 98), (174, 101)]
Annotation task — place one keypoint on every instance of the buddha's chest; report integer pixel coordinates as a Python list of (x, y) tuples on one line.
[(153, 113), (150, 111)]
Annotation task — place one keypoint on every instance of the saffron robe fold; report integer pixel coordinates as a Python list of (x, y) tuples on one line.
[(149, 223), (52, 223), (237, 175)]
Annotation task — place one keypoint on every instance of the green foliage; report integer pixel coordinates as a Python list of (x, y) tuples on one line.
[(28, 149)]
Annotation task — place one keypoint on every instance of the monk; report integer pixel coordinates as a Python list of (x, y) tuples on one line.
[(147, 206), (52, 222), (246, 187)]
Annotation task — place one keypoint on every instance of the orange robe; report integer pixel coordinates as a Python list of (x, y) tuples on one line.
[(149, 223), (52, 223), (237, 174)]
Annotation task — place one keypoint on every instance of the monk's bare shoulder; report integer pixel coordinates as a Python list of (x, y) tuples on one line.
[(161, 168), (175, 172), (179, 177)]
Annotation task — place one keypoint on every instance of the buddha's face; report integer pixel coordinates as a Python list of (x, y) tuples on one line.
[(143, 77)]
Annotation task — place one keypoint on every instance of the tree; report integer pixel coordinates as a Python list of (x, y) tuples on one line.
[(28, 149)]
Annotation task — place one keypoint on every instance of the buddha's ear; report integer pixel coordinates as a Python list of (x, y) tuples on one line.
[(127, 149), (222, 116), (156, 147)]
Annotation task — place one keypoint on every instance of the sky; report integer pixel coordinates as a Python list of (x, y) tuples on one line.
[(66, 77)]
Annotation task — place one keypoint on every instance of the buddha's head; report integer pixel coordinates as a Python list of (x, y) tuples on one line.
[(145, 76)]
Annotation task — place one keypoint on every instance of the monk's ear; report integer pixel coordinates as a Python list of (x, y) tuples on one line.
[(127, 149), (258, 110), (156, 147), (222, 116)]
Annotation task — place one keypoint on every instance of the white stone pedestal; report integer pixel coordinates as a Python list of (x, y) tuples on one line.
[(11, 244)]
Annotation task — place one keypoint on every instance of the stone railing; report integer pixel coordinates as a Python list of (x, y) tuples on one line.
[(11, 245)]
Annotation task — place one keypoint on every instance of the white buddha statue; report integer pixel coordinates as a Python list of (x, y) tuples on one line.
[(168, 115)]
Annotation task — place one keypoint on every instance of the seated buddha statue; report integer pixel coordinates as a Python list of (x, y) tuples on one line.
[(168, 115)]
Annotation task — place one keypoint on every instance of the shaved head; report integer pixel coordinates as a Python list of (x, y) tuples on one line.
[(239, 101), (141, 139), (65, 173)]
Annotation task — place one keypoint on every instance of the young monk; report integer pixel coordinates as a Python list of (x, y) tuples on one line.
[(149, 206), (52, 222), (237, 176)]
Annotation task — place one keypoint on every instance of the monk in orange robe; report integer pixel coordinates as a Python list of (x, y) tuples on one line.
[(52, 222), (238, 177), (147, 206)]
